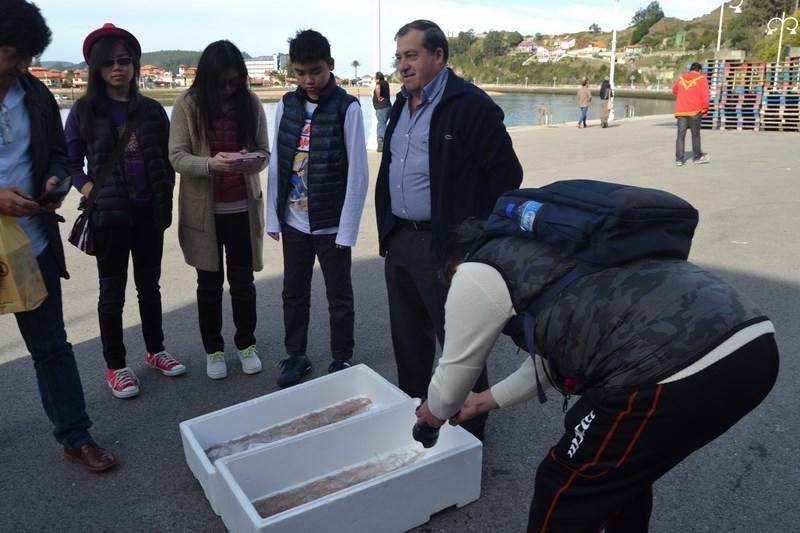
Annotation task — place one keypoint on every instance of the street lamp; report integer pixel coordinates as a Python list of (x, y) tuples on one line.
[(783, 19), (736, 9), (632, 77), (613, 48), (554, 81)]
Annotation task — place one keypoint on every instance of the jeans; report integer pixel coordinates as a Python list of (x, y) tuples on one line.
[(299, 252), (685, 123), (582, 119), (382, 116), (56, 372), (233, 234), (145, 243)]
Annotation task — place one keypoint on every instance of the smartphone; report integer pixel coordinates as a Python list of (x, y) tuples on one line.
[(56, 194), (248, 156)]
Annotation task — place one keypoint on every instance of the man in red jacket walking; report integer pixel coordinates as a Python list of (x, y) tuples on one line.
[(692, 96)]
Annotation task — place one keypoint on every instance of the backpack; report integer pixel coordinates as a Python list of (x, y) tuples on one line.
[(600, 225)]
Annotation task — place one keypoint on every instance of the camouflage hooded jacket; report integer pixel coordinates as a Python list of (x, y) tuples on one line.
[(620, 328)]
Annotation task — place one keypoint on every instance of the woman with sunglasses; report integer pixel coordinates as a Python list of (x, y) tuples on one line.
[(123, 137), (218, 144)]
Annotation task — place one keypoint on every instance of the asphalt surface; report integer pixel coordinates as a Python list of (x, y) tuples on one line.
[(747, 481)]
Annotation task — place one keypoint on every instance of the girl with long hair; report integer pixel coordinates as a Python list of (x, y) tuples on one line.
[(122, 135), (218, 144)]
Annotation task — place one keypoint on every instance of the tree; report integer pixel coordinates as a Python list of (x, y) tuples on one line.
[(493, 45), (652, 11), (595, 28), (355, 64), (462, 43)]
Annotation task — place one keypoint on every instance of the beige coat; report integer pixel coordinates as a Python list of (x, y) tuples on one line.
[(189, 154)]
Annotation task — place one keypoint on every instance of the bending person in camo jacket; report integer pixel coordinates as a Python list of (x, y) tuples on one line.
[(657, 349)]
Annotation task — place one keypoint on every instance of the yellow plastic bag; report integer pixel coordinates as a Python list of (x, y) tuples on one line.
[(21, 284)]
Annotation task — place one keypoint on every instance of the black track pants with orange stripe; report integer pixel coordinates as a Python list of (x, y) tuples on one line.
[(600, 474)]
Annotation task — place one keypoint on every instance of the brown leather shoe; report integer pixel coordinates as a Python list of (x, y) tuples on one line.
[(92, 457)]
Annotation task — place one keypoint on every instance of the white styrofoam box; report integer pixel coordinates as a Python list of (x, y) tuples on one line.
[(445, 475), (198, 434)]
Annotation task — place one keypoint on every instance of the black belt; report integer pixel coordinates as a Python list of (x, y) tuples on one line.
[(414, 225)]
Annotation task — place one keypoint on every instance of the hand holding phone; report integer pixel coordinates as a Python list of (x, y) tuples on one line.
[(248, 161), (56, 194)]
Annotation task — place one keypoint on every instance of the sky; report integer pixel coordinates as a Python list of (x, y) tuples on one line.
[(261, 27)]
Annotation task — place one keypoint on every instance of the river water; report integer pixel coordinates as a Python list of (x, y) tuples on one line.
[(519, 109)]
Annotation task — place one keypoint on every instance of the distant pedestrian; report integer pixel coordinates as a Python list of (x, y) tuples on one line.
[(607, 104), (318, 182), (692, 96), (382, 104), (584, 98), (33, 159), (122, 136), (218, 143)]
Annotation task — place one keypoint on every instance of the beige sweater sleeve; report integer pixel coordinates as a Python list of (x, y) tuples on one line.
[(478, 307)]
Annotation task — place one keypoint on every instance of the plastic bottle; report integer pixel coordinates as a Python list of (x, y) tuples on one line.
[(525, 214)]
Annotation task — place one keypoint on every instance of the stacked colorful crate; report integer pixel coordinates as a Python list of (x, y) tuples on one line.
[(741, 96), (714, 70), (781, 108)]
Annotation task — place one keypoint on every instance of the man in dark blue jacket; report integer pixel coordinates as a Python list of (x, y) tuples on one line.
[(446, 156), (32, 160)]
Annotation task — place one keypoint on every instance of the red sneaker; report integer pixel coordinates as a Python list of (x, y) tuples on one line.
[(123, 382), (163, 361)]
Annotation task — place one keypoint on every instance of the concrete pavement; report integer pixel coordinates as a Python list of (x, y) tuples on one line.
[(747, 481)]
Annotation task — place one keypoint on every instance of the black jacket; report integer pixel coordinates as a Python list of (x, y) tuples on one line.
[(152, 134), (472, 161), (48, 154), (327, 165)]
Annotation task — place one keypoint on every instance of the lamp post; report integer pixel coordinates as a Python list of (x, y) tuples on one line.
[(613, 49), (736, 9), (526, 82), (554, 81), (783, 19)]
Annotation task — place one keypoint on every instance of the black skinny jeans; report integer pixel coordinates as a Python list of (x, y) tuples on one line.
[(233, 235), (145, 244)]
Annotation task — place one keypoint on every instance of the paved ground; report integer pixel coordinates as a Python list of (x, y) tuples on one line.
[(746, 482)]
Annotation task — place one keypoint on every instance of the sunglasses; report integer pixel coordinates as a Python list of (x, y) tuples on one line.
[(6, 134), (121, 61)]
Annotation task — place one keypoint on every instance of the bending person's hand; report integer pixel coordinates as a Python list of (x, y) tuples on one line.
[(426, 418), (476, 404)]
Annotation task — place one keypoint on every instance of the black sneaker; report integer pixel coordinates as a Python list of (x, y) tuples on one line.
[(293, 370), (337, 364)]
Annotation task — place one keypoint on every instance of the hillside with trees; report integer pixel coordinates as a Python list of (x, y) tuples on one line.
[(668, 45)]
